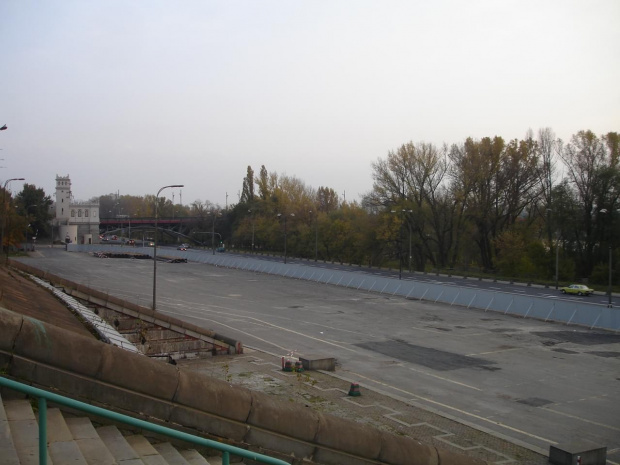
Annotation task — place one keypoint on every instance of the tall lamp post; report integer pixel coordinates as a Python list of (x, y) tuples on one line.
[(35, 235), (400, 244), (557, 250), (4, 209), (610, 212), (281, 215), (155, 243), (316, 235), (215, 214), (252, 214)]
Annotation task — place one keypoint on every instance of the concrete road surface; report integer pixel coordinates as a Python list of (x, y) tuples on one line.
[(536, 383)]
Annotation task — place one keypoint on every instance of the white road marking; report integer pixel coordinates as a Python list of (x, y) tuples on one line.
[(444, 379), (248, 318), (493, 352), (582, 419), (431, 401)]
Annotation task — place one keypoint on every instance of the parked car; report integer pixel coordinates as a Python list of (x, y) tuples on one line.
[(578, 289)]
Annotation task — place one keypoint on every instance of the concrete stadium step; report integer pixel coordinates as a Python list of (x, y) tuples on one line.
[(9, 454), (89, 442), (217, 461), (60, 444), (169, 452), (24, 431), (194, 458), (118, 446), (145, 450), (75, 441)]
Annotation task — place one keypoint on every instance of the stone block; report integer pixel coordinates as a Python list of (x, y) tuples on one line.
[(567, 454), (10, 325), (349, 437), (282, 417), (318, 362), (57, 347), (215, 426), (201, 392), (285, 444), (138, 373)]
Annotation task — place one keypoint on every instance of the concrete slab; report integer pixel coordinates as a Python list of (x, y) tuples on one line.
[(318, 362), (577, 453), (117, 445), (89, 442)]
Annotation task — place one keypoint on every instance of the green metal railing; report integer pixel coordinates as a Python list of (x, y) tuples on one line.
[(44, 396)]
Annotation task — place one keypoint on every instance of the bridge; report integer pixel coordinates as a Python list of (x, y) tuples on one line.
[(172, 228)]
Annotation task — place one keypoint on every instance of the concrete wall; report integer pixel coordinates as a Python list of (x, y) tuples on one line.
[(223, 344), (91, 371)]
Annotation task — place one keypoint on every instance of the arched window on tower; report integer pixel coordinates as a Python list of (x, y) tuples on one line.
[(72, 213), (86, 213), (79, 213)]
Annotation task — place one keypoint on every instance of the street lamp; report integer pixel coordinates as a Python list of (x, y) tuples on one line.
[(280, 215), (605, 211), (6, 183), (155, 243), (400, 244), (27, 209), (316, 235), (557, 253), (252, 214), (215, 214)]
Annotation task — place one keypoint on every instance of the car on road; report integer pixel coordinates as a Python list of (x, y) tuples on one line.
[(577, 289), (183, 247)]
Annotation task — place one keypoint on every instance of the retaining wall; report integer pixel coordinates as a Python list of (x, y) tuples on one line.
[(80, 291)]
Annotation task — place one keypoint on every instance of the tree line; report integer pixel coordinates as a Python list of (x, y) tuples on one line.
[(507, 207)]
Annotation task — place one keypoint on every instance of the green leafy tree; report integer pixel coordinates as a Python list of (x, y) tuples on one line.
[(326, 199), (592, 173), (34, 206), (263, 183), (247, 191)]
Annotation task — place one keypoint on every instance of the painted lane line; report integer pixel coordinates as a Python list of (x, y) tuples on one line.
[(256, 320), (444, 379), (450, 407), (494, 352), (602, 425), (285, 349)]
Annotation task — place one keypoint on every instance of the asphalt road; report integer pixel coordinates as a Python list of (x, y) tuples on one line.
[(534, 382), (599, 298)]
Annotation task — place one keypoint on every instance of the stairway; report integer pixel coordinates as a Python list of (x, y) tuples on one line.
[(76, 441)]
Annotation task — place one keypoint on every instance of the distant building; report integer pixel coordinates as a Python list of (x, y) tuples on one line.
[(73, 221)]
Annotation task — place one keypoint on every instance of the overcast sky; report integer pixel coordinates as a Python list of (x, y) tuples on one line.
[(129, 96)]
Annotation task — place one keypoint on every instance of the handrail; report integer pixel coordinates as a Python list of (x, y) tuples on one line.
[(44, 396)]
